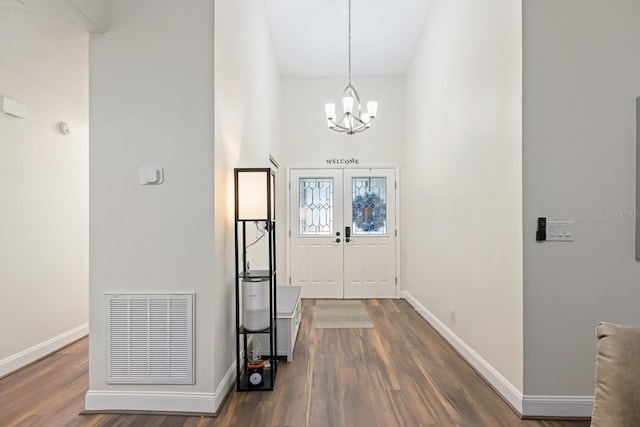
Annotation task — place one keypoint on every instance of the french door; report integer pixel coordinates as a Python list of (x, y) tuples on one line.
[(343, 232)]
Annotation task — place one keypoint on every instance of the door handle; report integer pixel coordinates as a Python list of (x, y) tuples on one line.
[(338, 240), (347, 234)]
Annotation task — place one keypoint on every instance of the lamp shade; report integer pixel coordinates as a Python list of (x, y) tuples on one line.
[(330, 111), (372, 108), (255, 194), (347, 104)]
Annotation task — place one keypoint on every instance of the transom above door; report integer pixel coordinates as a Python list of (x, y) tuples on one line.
[(343, 232)]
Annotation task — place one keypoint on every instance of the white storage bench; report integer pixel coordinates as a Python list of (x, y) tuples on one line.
[(287, 322)]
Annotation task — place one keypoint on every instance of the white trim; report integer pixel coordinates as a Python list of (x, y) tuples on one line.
[(161, 401), (225, 385), (497, 381), (528, 406), (287, 226), (344, 166), (557, 406), (30, 355), (398, 232), (151, 401)]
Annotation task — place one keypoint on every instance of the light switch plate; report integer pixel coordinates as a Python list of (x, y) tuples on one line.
[(560, 231)]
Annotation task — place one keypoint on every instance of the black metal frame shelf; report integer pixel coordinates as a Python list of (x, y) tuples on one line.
[(269, 381), (255, 274), (243, 338)]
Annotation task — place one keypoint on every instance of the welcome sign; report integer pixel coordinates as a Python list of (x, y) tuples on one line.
[(352, 161)]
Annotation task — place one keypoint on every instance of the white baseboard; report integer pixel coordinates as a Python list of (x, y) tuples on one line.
[(225, 385), (150, 401), (557, 406), (527, 406), (37, 352), (161, 401), (499, 383)]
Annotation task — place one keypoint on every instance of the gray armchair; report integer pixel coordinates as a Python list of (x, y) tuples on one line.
[(617, 393)]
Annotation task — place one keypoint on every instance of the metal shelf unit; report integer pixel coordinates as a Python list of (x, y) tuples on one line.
[(260, 191)]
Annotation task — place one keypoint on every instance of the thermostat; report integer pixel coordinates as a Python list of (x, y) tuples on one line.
[(150, 175)]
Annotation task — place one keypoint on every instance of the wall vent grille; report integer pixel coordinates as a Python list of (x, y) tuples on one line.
[(149, 338)]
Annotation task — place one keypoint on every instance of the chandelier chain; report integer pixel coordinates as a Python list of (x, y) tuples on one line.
[(354, 119), (349, 42)]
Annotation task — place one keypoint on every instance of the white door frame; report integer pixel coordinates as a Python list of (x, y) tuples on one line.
[(288, 224)]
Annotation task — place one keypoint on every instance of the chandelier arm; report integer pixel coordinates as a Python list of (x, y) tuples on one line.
[(357, 125), (338, 127), (350, 89), (360, 121), (361, 129)]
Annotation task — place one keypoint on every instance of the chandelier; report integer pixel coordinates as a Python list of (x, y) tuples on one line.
[(354, 119)]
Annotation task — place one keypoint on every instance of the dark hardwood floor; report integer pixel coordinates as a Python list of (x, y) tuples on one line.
[(401, 373)]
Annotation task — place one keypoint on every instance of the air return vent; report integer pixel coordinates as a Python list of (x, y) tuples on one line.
[(149, 338)]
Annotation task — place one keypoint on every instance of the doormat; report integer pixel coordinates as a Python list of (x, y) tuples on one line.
[(341, 314)]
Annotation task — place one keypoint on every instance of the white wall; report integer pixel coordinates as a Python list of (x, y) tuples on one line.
[(44, 192), (309, 142), (157, 98), (461, 193), (151, 102), (248, 131), (581, 78)]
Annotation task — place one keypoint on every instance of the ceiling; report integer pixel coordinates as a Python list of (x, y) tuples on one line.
[(311, 38), (28, 26)]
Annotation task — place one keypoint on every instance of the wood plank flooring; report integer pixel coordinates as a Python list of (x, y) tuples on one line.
[(401, 373)]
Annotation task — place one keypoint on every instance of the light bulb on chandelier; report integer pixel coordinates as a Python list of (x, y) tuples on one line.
[(353, 119)]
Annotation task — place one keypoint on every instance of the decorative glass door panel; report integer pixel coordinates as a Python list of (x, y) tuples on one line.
[(369, 206), (316, 206), (343, 235)]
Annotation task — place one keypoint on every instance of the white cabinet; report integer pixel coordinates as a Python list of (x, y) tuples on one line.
[(288, 319)]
